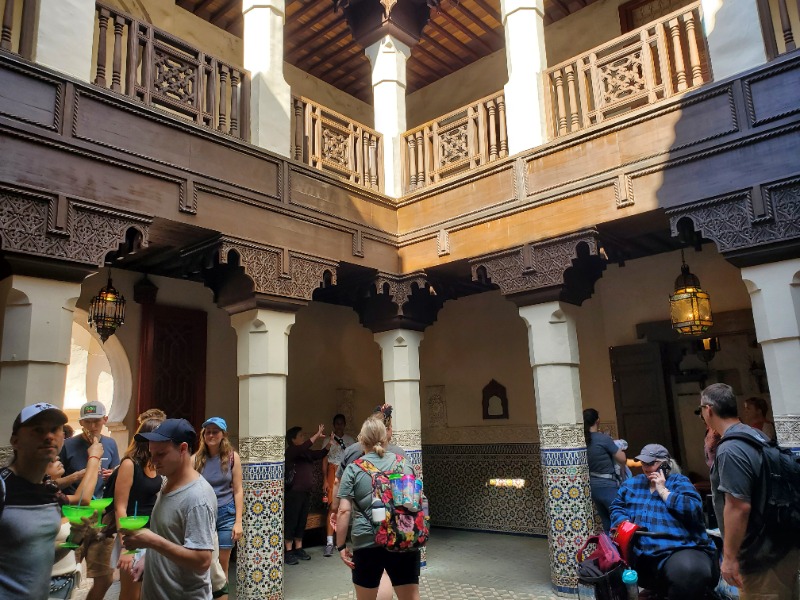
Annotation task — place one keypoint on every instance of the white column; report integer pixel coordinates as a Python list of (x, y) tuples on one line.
[(523, 21), (65, 36), (35, 350), (735, 40), (400, 357), (388, 57), (270, 95), (775, 294), (263, 367), (553, 347)]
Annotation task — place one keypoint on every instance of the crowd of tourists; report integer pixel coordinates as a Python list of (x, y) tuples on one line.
[(672, 552), (168, 517)]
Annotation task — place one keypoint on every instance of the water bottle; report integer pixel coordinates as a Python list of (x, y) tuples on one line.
[(631, 580), (378, 511)]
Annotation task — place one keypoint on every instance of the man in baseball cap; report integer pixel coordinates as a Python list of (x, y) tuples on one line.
[(183, 522), (29, 513)]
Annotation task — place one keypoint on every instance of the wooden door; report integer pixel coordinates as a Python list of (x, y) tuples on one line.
[(643, 413), (172, 362)]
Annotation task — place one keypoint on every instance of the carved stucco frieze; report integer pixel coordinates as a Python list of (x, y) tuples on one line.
[(407, 439), (270, 448), (437, 406), (787, 428), (562, 436), (267, 267), (27, 226), (738, 221), (399, 287), (534, 266)]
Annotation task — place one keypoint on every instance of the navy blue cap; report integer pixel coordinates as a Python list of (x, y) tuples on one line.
[(171, 430)]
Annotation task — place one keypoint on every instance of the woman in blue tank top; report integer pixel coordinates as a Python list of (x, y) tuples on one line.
[(220, 465)]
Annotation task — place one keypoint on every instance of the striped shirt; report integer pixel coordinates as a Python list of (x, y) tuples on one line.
[(681, 515)]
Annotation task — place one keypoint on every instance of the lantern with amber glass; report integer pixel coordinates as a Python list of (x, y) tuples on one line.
[(107, 311), (690, 306)]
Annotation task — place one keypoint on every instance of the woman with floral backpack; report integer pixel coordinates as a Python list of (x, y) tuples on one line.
[(368, 559)]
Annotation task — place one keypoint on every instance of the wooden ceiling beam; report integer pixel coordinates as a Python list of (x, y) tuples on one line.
[(224, 10), (483, 26), (319, 53), (185, 4), (334, 64), (417, 64), (201, 6), (443, 32), (441, 48), (463, 29), (306, 7), (303, 45), (490, 10), (561, 7), (351, 59), (424, 53), (237, 18)]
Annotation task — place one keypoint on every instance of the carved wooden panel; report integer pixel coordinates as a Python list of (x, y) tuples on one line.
[(275, 271), (533, 266), (740, 221), (76, 231), (172, 372)]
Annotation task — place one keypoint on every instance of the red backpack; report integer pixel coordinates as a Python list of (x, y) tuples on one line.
[(402, 529)]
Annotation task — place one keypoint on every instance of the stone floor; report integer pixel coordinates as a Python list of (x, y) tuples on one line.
[(461, 566)]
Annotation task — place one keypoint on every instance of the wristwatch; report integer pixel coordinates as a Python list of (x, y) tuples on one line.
[(342, 547)]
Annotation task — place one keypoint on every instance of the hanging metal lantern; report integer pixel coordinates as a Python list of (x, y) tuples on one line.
[(690, 306), (107, 311)]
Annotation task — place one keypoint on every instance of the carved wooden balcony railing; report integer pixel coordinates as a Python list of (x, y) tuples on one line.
[(464, 139), (167, 73), (654, 62), (329, 141), (780, 23), (18, 27)]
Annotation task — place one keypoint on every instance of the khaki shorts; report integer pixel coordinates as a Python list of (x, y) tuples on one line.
[(98, 558)]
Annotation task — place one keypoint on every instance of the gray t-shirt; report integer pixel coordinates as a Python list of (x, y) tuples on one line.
[(187, 517), (355, 451), (357, 486), (735, 470), (600, 456)]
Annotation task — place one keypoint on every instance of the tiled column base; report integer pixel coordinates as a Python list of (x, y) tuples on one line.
[(787, 428), (259, 566), (411, 441), (568, 501)]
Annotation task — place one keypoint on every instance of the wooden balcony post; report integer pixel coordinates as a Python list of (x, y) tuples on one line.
[(116, 67), (572, 96), (677, 53), (102, 45), (786, 25), (299, 129), (695, 67), (235, 91), (8, 25), (501, 117), (411, 144), (492, 127)]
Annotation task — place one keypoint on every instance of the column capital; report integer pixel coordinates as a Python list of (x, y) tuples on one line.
[(277, 6)]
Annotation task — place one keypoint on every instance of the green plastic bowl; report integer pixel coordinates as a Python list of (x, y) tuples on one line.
[(100, 503), (74, 514), (133, 522)]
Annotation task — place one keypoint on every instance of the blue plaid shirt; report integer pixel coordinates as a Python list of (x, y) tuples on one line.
[(681, 515)]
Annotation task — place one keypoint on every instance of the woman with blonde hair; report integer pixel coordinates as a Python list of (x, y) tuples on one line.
[(368, 560), (135, 491), (221, 466)]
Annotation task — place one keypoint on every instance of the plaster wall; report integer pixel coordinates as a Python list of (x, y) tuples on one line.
[(330, 351)]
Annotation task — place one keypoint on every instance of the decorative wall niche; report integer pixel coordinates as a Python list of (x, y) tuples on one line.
[(495, 401)]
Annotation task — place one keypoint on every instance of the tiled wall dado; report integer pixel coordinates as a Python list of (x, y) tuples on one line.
[(457, 483)]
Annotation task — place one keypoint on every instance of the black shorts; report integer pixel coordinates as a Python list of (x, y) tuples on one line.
[(402, 567)]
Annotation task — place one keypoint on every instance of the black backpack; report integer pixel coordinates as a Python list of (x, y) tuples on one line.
[(778, 507)]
